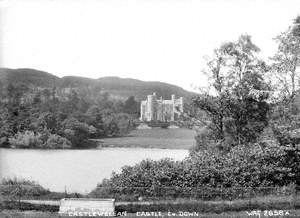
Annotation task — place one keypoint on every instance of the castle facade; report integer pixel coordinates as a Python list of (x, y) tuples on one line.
[(158, 109)]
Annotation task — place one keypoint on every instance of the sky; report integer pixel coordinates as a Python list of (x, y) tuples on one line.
[(163, 40)]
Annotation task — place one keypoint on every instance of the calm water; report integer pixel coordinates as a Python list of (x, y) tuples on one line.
[(77, 170)]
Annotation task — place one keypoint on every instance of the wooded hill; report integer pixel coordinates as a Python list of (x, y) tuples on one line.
[(119, 88)]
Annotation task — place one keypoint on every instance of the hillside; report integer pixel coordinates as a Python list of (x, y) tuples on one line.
[(117, 87), (30, 77), (140, 89)]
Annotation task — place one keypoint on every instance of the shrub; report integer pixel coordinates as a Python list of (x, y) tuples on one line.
[(17, 188), (27, 139), (207, 174), (117, 124), (204, 138), (78, 132), (255, 165), (56, 141)]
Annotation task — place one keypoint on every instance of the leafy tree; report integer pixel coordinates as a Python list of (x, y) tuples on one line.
[(15, 93), (236, 105), (95, 118), (20, 188), (118, 106), (104, 102), (284, 72), (77, 132), (131, 106), (26, 139), (56, 141)]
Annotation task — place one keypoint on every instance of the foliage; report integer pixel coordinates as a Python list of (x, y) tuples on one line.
[(52, 118), (17, 188), (27, 139), (45, 139), (117, 124), (244, 166), (94, 117), (77, 132), (236, 107), (255, 166), (56, 141), (284, 74), (131, 106), (288, 137)]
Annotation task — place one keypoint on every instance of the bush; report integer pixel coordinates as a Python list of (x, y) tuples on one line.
[(204, 138), (27, 139), (78, 132), (55, 141), (17, 188), (255, 165), (117, 124), (207, 174)]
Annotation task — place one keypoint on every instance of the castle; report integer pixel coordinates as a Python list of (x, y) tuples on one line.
[(154, 109)]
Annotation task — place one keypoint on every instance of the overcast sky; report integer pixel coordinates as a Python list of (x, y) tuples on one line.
[(143, 39)]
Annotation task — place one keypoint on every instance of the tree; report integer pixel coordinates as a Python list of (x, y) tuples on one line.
[(131, 106), (94, 118), (236, 102), (17, 188), (78, 133), (15, 93), (286, 61), (286, 82), (103, 101)]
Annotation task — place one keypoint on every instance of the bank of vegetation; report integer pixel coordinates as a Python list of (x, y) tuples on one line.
[(49, 119)]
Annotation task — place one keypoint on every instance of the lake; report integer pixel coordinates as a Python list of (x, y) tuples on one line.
[(75, 170)]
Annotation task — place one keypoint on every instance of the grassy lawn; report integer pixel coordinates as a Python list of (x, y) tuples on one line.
[(154, 138)]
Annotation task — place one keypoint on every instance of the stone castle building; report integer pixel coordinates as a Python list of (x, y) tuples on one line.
[(157, 109)]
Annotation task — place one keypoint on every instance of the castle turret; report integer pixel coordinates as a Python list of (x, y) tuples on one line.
[(181, 104), (143, 108), (149, 107), (173, 108)]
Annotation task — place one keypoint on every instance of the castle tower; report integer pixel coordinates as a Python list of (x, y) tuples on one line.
[(181, 104), (142, 116), (149, 107), (173, 108)]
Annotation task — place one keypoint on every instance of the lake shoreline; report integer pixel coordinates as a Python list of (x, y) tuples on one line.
[(76, 170), (180, 138)]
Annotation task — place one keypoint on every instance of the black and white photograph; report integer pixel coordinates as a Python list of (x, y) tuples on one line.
[(149, 108)]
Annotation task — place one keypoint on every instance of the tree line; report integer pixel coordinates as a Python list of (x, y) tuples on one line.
[(33, 117)]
